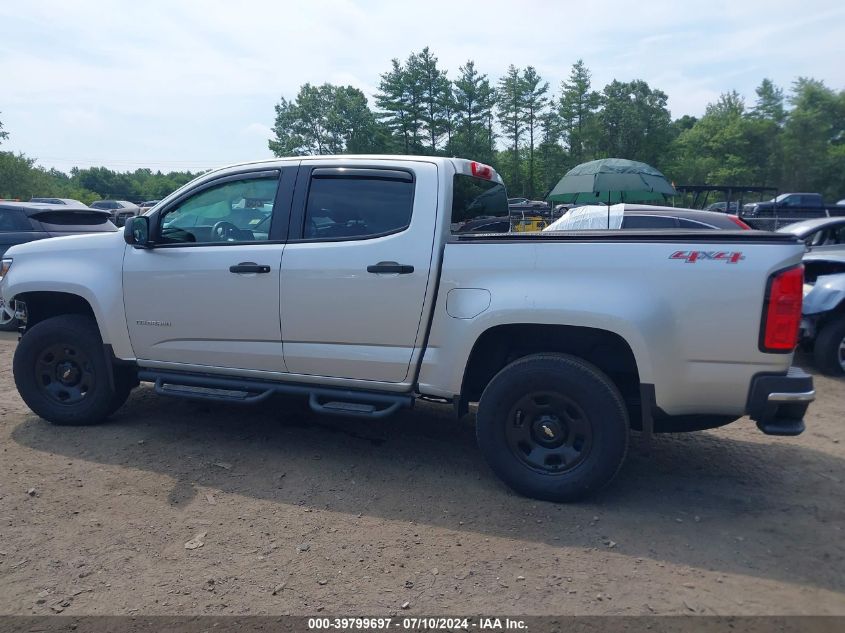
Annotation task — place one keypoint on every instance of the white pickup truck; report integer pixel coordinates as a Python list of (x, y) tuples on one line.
[(357, 282)]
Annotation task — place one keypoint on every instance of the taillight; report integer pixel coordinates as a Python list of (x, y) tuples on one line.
[(782, 310), (480, 170), (739, 223)]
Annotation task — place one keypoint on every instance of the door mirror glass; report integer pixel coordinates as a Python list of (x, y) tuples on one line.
[(136, 231)]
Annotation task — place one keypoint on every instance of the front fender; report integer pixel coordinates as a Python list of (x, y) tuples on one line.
[(88, 266), (827, 293)]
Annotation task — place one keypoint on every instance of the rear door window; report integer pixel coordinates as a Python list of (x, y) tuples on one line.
[(357, 204), (649, 222), (13, 220)]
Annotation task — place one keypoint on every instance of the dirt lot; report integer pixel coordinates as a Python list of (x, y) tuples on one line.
[(303, 514)]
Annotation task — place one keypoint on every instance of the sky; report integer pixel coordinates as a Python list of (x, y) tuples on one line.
[(190, 84)]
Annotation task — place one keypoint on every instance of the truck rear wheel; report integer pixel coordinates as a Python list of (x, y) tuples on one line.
[(829, 348), (61, 371), (553, 427)]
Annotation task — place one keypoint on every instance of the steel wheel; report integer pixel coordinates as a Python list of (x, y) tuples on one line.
[(64, 374), (549, 432), (6, 316), (552, 426)]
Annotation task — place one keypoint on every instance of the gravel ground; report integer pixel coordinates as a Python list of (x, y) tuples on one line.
[(292, 513)]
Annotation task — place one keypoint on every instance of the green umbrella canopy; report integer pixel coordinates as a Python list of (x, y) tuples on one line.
[(611, 180)]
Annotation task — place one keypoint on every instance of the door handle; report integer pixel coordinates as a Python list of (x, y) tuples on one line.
[(249, 267), (390, 267)]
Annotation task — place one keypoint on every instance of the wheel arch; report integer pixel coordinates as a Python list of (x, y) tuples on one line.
[(500, 345), (48, 299), (44, 304)]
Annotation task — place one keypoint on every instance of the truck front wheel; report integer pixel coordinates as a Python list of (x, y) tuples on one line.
[(553, 427), (61, 371)]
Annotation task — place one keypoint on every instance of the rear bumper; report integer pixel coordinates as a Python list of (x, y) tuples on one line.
[(779, 402)]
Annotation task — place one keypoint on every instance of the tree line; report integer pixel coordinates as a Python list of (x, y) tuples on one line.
[(792, 140), (532, 135), (21, 178)]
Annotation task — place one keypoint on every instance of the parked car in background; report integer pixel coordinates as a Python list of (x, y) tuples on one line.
[(724, 207), (819, 234), (786, 209), (146, 206), (22, 222), (823, 313), (120, 210), (643, 216)]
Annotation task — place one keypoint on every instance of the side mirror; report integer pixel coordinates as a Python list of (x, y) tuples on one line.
[(136, 231)]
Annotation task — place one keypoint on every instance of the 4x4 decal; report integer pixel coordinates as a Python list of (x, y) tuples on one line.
[(690, 257)]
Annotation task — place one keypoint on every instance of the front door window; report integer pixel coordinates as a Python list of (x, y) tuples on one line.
[(235, 211)]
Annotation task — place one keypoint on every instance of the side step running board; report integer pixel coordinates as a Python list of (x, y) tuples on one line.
[(354, 409), (325, 400), (209, 393)]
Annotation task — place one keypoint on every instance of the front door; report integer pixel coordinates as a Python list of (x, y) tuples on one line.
[(207, 293), (357, 268)]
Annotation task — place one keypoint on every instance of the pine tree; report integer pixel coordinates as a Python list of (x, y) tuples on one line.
[(474, 100), (534, 102), (511, 119), (769, 105), (435, 93), (392, 101), (578, 105)]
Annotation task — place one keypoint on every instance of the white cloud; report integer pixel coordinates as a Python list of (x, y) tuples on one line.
[(194, 82)]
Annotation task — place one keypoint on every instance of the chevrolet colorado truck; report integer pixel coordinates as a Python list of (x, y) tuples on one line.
[(350, 281)]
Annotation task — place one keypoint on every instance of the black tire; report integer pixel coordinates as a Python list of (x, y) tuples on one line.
[(829, 348), (10, 326), (553, 427), (61, 372)]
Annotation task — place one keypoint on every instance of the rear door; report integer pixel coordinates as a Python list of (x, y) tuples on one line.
[(356, 268)]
